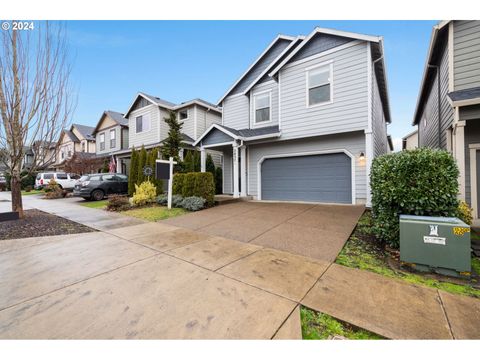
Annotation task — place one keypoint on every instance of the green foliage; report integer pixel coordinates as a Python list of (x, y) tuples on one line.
[(26, 180), (132, 178), (218, 180), (196, 161), (162, 199), (177, 201), (118, 203), (54, 191), (209, 165), (152, 157), (476, 265), (144, 194), (142, 161), (188, 165), (154, 213), (413, 182), (193, 203), (195, 184), (171, 145), (464, 212), (320, 326)]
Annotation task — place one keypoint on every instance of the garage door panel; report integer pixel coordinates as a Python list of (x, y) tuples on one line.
[(318, 178)]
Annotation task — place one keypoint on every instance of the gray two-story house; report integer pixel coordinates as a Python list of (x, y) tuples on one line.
[(147, 127), (448, 105), (305, 120), (111, 135)]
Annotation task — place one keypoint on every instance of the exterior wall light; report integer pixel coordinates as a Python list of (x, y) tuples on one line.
[(362, 156)]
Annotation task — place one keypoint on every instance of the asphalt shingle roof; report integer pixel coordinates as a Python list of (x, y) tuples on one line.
[(85, 130), (246, 133), (466, 94), (118, 117)]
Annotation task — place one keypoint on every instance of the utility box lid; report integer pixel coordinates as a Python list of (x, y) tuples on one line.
[(435, 219)]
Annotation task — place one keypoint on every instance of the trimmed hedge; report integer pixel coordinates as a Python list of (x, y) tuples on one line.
[(195, 184), (413, 182)]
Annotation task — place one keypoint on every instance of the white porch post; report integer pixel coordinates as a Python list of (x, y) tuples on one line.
[(235, 171), (460, 156), (243, 170), (118, 165), (203, 160)]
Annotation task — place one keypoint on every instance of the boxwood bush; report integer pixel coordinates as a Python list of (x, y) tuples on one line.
[(195, 184), (414, 182)]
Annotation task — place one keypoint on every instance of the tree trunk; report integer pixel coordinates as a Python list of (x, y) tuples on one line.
[(16, 188)]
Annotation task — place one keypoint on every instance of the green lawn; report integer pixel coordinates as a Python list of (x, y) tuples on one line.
[(362, 252), (320, 326), (33, 192), (154, 212), (102, 204)]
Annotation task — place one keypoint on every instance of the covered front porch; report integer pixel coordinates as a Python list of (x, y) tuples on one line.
[(233, 144)]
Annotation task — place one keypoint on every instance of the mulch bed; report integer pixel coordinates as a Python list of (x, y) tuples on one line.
[(39, 223)]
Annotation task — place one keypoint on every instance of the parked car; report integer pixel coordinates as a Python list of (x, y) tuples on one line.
[(97, 186), (64, 180)]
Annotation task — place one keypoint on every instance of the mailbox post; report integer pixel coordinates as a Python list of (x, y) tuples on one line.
[(164, 171)]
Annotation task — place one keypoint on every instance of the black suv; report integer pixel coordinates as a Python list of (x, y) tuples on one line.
[(97, 186)]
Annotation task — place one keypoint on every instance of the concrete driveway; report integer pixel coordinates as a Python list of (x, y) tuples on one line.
[(315, 231)]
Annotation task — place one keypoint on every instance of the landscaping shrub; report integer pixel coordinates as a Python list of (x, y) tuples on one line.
[(54, 191), (177, 200), (28, 188), (193, 203), (118, 203), (162, 199), (414, 182), (144, 194), (27, 180), (465, 212), (195, 184)]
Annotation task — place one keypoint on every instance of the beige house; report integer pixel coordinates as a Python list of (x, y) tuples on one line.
[(410, 141), (78, 138)]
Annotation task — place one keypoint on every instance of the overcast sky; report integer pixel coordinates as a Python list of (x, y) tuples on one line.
[(181, 60)]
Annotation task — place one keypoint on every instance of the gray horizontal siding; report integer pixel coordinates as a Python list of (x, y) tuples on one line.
[(353, 142), (261, 65), (216, 136), (319, 43), (349, 109), (108, 149), (227, 173), (188, 126), (205, 119), (147, 137), (469, 112), (466, 43), (236, 112), (380, 143)]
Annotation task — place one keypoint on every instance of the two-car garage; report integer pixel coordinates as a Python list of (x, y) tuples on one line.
[(314, 178)]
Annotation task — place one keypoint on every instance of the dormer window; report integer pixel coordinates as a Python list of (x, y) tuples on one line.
[(183, 115), (319, 85), (261, 108)]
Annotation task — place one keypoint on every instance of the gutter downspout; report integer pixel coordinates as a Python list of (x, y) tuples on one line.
[(437, 68)]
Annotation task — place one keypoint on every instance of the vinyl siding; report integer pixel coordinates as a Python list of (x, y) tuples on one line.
[(472, 136), (319, 43), (236, 112), (125, 132), (189, 123), (227, 173), (380, 143), (272, 87), (353, 142), (148, 137), (108, 149), (428, 133), (205, 119), (466, 44), (349, 109)]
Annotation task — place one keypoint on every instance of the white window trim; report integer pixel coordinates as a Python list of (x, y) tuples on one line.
[(143, 118), (270, 120), (307, 83), (100, 140), (114, 131), (181, 121)]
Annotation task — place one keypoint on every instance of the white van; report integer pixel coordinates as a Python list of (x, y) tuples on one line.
[(65, 180)]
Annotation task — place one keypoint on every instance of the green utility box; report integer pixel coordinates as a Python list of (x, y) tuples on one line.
[(439, 244)]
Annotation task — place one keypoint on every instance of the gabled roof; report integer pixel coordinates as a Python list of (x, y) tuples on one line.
[(323, 31), (242, 134), (201, 102), (465, 97), (85, 130), (71, 135), (115, 116), (439, 35), (278, 38)]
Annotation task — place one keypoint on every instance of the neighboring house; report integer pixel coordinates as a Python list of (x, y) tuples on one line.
[(147, 126), (111, 135), (79, 139), (305, 120), (43, 153), (448, 105), (410, 141)]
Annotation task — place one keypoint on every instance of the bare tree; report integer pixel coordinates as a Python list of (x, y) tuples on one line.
[(35, 95)]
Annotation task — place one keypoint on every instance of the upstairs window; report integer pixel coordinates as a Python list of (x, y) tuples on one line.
[(113, 134), (262, 108), (102, 141), (183, 115), (142, 124), (319, 85)]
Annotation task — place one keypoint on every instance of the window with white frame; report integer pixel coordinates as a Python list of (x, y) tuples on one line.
[(142, 124), (113, 139), (319, 85), (102, 141), (183, 115), (261, 108)]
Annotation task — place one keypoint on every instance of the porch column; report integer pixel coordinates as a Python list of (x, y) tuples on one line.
[(235, 171), (203, 160), (118, 165), (459, 153), (243, 170)]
